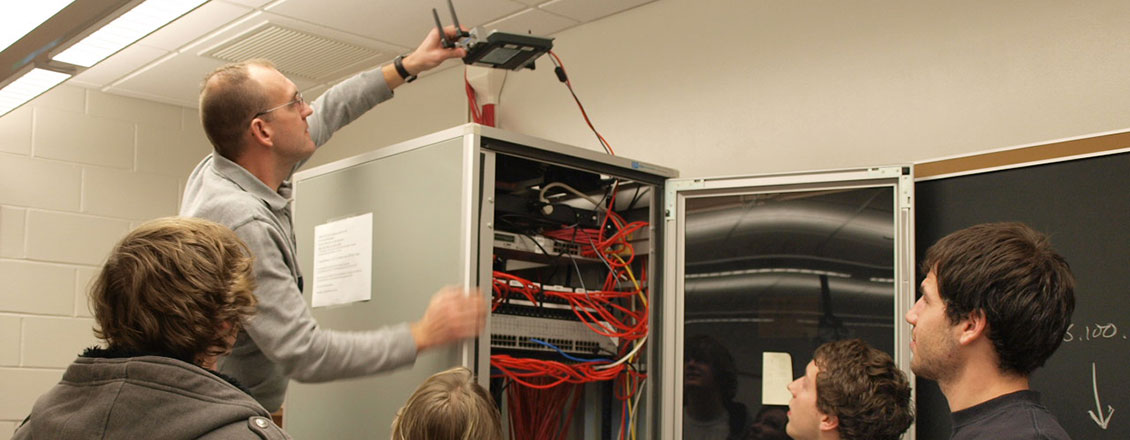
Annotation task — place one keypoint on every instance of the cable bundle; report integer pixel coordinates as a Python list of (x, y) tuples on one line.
[(609, 311), (536, 413), (502, 289), (610, 250)]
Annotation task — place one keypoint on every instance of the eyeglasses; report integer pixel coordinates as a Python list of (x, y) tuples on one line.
[(298, 99)]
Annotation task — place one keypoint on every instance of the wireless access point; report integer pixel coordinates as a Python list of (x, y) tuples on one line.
[(500, 50)]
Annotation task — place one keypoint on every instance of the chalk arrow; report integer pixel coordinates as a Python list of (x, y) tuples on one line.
[(1099, 418)]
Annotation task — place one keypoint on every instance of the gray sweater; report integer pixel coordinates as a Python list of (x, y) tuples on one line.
[(145, 397), (283, 340)]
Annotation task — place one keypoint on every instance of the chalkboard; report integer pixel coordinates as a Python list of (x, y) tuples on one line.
[(1084, 205)]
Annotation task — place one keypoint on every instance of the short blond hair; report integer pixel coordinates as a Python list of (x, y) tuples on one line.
[(450, 405), (172, 286)]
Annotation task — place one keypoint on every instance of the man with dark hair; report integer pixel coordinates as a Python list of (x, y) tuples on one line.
[(262, 130), (995, 304), (849, 391), (169, 300), (710, 382)]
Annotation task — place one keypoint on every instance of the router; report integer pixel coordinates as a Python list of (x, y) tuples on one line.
[(500, 50)]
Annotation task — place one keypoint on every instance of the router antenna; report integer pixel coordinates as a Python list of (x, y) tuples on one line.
[(447, 44), (455, 19)]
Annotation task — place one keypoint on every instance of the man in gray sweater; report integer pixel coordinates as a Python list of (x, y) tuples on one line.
[(262, 130)]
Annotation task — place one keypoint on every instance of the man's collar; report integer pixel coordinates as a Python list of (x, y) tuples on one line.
[(244, 179)]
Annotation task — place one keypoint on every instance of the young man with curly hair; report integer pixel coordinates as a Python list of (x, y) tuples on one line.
[(995, 304), (169, 300), (849, 391)]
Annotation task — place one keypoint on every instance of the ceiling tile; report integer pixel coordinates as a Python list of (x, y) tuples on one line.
[(533, 21), (295, 52), (248, 3), (191, 26), (399, 22), (120, 64), (589, 10), (315, 92), (175, 80), (248, 25)]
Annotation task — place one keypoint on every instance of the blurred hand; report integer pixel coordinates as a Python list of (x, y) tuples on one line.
[(431, 52), (453, 314)]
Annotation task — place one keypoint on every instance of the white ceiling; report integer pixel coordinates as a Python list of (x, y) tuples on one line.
[(168, 65)]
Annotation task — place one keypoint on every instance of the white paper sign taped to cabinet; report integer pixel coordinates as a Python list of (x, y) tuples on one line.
[(776, 374), (343, 261)]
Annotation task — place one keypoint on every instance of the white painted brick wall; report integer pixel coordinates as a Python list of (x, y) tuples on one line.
[(134, 110), (9, 341), (126, 194), (65, 97), (74, 178), (40, 183), (72, 238), (82, 285), (12, 222), (15, 130), (77, 137), (37, 288), (159, 152), (54, 342)]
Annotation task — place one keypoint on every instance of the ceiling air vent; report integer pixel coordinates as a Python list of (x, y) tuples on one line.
[(293, 52)]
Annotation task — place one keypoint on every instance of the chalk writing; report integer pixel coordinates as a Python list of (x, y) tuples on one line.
[(1092, 332), (1100, 419)]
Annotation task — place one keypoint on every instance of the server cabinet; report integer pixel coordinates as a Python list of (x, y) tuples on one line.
[(515, 216), (528, 222)]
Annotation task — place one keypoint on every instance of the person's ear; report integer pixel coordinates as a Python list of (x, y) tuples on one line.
[(261, 132), (829, 422), (975, 325)]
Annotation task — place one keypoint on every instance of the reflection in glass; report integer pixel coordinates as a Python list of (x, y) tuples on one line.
[(788, 271)]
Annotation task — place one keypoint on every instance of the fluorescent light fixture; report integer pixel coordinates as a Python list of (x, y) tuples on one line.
[(28, 86), (125, 30), (22, 17)]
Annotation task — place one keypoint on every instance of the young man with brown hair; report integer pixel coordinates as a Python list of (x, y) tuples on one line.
[(170, 299), (849, 391), (995, 304)]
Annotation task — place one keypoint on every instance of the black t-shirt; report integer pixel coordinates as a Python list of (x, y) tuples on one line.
[(1013, 416)]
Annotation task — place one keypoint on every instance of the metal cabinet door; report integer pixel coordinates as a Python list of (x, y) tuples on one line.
[(782, 263), (422, 209)]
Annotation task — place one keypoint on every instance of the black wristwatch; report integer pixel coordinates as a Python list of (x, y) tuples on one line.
[(398, 63)]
